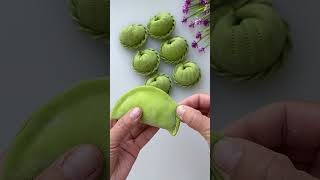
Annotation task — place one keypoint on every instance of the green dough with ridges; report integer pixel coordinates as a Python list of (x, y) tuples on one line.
[(133, 36), (92, 16), (186, 73), (174, 50), (77, 116), (146, 62), (161, 25), (161, 81), (158, 108), (249, 39)]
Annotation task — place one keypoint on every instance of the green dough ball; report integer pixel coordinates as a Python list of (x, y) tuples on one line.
[(133, 36), (146, 62), (173, 51), (77, 116), (158, 108), (186, 73), (161, 25), (161, 81), (249, 40), (92, 16)]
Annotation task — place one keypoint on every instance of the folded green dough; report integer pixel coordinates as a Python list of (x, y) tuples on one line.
[(249, 39), (146, 62), (92, 16), (77, 116), (186, 74), (159, 109)]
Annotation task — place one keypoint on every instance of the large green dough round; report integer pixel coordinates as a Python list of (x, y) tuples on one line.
[(161, 81), (161, 25), (159, 109), (174, 50), (133, 36), (78, 116), (92, 16), (146, 62), (186, 73), (249, 39)]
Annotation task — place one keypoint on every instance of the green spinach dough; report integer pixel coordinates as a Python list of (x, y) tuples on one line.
[(249, 39), (161, 81), (78, 116), (161, 25), (92, 16), (133, 36), (174, 50), (158, 108), (146, 62), (186, 74)]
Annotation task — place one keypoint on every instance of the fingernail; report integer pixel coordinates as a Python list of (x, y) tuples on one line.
[(82, 162), (227, 155), (135, 113), (180, 111)]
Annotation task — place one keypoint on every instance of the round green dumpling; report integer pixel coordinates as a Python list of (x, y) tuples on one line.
[(133, 36), (249, 40), (92, 16), (174, 50), (186, 73), (161, 25), (146, 62), (161, 81)]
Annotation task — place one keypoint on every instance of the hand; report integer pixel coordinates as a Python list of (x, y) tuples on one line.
[(127, 138), (279, 141), (81, 163), (195, 112)]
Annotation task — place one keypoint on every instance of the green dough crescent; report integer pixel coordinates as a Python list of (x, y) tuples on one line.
[(78, 116), (249, 39), (159, 109), (92, 16)]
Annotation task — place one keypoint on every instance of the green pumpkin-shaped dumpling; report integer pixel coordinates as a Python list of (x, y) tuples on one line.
[(161, 81), (133, 36), (161, 25), (174, 50), (249, 39), (92, 16), (146, 62), (158, 108), (186, 73)]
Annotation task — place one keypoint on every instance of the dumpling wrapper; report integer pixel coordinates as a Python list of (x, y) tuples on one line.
[(159, 109)]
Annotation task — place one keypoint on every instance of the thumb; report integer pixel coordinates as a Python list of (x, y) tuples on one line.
[(82, 163), (195, 119), (239, 159)]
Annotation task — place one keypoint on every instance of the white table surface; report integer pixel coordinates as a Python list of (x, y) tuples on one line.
[(185, 156)]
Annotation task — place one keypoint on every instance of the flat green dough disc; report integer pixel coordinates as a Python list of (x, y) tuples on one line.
[(159, 109), (77, 116)]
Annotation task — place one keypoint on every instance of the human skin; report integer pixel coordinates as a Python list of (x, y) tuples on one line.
[(278, 141)]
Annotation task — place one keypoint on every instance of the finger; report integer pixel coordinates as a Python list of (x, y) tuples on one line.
[(198, 101), (295, 124), (193, 118), (82, 163), (240, 159), (112, 123), (123, 127), (136, 130), (145, 136)]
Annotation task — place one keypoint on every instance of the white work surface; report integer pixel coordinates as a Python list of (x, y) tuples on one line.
[(185, 156)]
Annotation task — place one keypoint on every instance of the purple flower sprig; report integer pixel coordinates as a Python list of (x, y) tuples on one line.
[(197, 16)]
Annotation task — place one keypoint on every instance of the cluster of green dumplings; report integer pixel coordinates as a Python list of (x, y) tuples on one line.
[(173, 50), (249, 39)]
